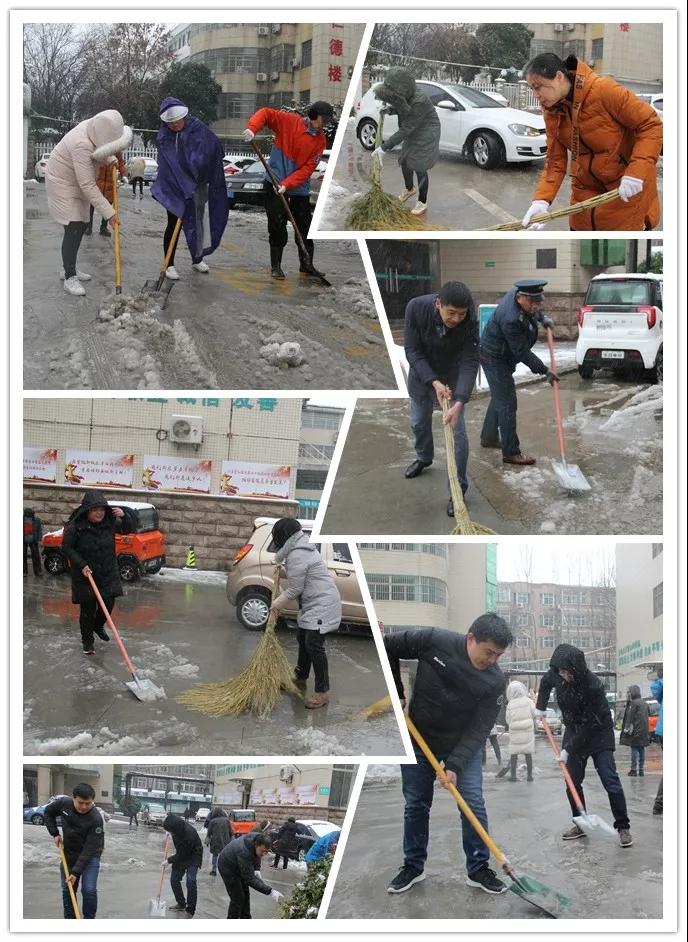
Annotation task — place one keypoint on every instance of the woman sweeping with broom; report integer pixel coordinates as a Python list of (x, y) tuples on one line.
[(320, 606)]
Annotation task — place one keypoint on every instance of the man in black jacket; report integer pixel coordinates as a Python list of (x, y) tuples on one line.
[(456, 697), (186, 859), (441, 346), (239, 867), (589, 732), (506, 341), (89, 545), (83, 840)]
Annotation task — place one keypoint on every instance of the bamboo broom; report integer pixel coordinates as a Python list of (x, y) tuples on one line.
[(462, 522), (259, 685), (557, 213)]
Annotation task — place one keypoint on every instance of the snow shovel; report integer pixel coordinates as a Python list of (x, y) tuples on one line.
[(590, 823), (70, 888), (546, 899), (305, 254), (142, 688), (159, 290), (157, 907), (116, 244), (569, 476)]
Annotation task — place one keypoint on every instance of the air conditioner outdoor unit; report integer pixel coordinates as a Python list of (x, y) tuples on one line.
[(186, 429), (286, 775), (294, 64), (263, 31), (558, 27), (274, 76), (261, 77), (277, 27), (570, 27)]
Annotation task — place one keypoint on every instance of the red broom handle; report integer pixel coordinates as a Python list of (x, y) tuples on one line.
[(111, 624), (555, 391), (565, 772), (164, 861)]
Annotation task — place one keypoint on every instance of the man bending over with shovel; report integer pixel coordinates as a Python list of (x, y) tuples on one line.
[(297, 149), (83, 842), (589, 733), (456, 697)]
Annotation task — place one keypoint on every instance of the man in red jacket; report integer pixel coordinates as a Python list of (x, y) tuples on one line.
[(296, 151)]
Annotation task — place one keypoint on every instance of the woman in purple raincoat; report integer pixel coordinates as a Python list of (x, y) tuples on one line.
[(190, 183)]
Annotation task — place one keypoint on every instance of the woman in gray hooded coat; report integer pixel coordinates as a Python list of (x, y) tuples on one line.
[(418, 133), (320, 606), (635, 729)]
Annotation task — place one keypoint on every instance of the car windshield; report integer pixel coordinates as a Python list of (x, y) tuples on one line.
[(147, 519), (244, 815), (472, 98), (255, 167), (619, 291), (156, 809)]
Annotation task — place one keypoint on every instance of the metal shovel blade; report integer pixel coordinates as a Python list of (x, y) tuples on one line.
[(314, 273), (158, 294), (157, 908), (570, 476), (549, 901), (145, 690), (593, 824)]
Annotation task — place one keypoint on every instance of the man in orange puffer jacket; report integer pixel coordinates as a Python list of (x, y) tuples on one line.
[(614, 138), (105, 183)]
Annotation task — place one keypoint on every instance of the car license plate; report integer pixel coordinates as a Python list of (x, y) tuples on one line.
[(253, 186), (612, 354)]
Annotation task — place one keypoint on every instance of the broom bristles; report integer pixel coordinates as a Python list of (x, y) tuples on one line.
[(463, 524), (378, 211)]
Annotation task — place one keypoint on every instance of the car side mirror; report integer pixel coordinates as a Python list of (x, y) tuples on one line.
[(447, 105)]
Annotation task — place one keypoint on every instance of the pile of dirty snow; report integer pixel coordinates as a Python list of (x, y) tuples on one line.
[(377, 775), (646, 402), (315, 742), (194, 576)]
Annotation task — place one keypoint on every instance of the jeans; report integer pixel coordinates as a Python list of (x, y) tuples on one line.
[(239, 897), (89, 891), (638, 758), (423, 181), (92, 618), (500, 419), (417, 785), (178, 871), (300, 207), (312, 653), (71, 240), (421, 426), (606, 769)]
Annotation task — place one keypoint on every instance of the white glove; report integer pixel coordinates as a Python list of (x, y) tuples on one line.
[(276, 895), (536, 208), (539, 713), (379, 153), (282, 189), (256, 873), (248, 135), (563, 756), (629, 187)]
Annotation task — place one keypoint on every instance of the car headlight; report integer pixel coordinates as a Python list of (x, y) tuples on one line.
[(524, 131)]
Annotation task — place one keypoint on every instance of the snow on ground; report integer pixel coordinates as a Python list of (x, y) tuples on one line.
[(377, 774), (196, 576), (336, 209), (646, 401), (315, 742)]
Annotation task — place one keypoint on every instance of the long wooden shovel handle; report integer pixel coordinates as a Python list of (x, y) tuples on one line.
[(111, 624), (162, 868), (562, 765), (70, 888), (116, 234), (555, 392), (441, 774)]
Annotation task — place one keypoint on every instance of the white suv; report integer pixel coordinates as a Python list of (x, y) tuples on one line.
[(474, 124), (620, 326)]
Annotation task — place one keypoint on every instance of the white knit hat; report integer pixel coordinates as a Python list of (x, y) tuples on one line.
[(174, 113)]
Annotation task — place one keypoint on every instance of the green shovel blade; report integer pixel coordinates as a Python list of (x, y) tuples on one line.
[(541, 894)]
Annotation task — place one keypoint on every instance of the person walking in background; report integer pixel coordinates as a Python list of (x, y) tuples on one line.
[(635, 730), (190, 184), (185, 861), (71, 187), (614, 139), (218, 834), (320, 606), (239, 867), (106, 185), (137, 168), (520, 715), (418, 133), (32, 536), (285, 845), (657, 691), (131, 807), (494, 742)]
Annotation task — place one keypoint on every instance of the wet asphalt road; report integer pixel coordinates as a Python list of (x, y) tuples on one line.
[(214, 326), (602, 880), (613, 433), (180, 634), (461, 195), (129, 878)]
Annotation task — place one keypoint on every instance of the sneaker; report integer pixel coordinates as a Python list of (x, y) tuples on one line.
[(88, 650), (172, 273), (178, 908), (201, 266), (316, 701), (419, 209), (102, 634), (573, 833), (625, 839), (407, 194), (641, 773), (405, 879), (81, 275), (486, 880), (632, 773)]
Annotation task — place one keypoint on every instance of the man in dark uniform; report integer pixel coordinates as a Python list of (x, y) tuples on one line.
[(441, 344), (506, 341)]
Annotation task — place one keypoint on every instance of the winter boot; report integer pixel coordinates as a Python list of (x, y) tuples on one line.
[(573, 833), (276, 262), (316, 701), (102, 634)]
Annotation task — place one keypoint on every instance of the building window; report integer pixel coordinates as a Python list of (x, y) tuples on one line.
[(328, 420), (547, 621), (570, 598), (503, 594), (547, 599), (305, 96), (658, 600), (306, 53), (340, 785), (657, 548), (523, 642), (384, 588), (519, 620), (547, 642), (597, 51), (577, 621), (545, 258), (522, 599), (311, 480), (434, 549)]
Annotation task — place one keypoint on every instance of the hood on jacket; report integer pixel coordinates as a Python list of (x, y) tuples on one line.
[(298, 540), (569, 658), (634, 692), (215, 813), (28, 512), (174, 824), (92, 498), (516, 689), (283, 529), (398, 83), (108, 133)]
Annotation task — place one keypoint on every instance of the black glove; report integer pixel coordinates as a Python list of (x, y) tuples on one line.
[(548, 322), (552, 377)]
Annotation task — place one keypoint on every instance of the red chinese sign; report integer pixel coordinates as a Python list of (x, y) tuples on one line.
[(336, 49)]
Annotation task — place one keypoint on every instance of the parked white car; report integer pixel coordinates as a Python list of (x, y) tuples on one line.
[(39, 169), (620, 326), (474, 125), (202, 814), (153, 814)]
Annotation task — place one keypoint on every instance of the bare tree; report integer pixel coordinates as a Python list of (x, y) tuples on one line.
[(54, 65)]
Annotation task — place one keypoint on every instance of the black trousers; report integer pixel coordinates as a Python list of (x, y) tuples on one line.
[(606, 769), (423, 181), (32, 548), (312, 653), (494, 742), (239, 897), (134, 182), (300, 207), (285, 861), (71, 240), (92, 618), (103, 222), (169, 233), (513, 761)]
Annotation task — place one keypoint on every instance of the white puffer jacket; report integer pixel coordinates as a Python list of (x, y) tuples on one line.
[(520, 713), (70, 174)]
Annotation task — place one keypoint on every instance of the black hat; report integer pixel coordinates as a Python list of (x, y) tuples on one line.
[(283, 529), (531, 287), (323, 108)]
